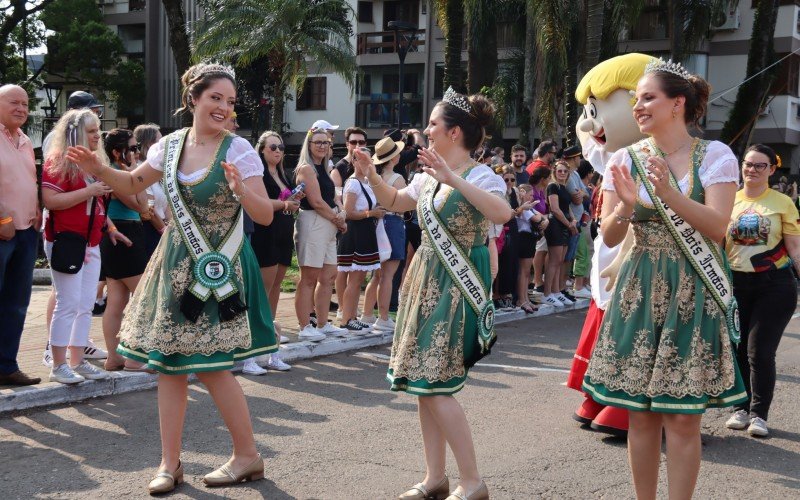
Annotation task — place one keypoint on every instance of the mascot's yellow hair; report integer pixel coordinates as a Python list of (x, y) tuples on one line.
[(621, 72)]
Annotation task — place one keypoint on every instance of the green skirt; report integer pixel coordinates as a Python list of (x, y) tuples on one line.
[(155, 332), (436, 338), (663, 344)]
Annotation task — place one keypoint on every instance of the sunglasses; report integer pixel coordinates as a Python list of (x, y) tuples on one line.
[(357, 143), (135, 148), (758, 167), (321, 144), (509, 180), (273, 147)]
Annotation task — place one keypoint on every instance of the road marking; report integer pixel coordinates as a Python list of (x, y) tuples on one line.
[(383, 357), (525, 368)]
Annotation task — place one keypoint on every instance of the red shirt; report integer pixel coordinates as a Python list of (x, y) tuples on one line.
[(75, 218), (536, 164)]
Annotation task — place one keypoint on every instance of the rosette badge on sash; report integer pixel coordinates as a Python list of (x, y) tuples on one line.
[(212, 271)]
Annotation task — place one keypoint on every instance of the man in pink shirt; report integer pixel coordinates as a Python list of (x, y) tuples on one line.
[(20, 219)]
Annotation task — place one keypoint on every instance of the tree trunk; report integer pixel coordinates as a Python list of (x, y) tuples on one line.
[(10, 22), (178, 41), (529, 77), (454, 40), (278, 103), (750, 95), (595, 10), (481, 55), (677, 45)]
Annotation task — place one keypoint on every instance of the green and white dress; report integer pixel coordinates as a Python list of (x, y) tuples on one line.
[(438, 337), (664, 343), (155, 330)]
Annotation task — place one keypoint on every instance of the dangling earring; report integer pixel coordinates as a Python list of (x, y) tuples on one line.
[(453, 138), (674, 112)]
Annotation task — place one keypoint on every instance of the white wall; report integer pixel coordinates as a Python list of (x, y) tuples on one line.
[(340, 107)]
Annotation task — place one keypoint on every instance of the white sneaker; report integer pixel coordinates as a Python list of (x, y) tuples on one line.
[(583, 293), (310, 333), (251, 367), (329, 329), (367, 320), (339, 315), (564, 300), (65, 375), (284, 339), (90, 372), (276, 363), (758, 427), (738, 421), (383, 325), (91, 351), (553, 301), (47, 357)]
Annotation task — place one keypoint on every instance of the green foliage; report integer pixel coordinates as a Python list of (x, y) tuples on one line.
[(82, 49)]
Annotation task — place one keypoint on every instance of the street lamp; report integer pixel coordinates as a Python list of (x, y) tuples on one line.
[(405, 34)]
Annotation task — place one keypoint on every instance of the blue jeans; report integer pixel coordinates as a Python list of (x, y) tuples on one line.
[(572, 246), (17, 257)]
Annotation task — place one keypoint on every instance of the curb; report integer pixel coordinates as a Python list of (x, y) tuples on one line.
[(53, 393), (42, 277)]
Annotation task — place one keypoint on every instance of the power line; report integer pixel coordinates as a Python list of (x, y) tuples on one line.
[(747, 80)]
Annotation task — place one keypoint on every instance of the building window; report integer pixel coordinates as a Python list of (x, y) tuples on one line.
[(313, 95), (787, 76), (365, 12)]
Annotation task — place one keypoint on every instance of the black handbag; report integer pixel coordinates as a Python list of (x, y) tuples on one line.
[(69, 248)]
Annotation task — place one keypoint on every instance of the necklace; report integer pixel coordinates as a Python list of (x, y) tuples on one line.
[(196, 142), (674, 151)]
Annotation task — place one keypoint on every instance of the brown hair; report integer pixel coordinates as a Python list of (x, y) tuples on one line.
[(145, 136), (354, 130), (694, 89), (766, 151), (196, 80), (473, 124), (116, 140)]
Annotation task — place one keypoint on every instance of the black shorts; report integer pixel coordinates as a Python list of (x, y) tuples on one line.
[(556, 234), (274, 244), (121, 261), (527, 245), (413, 235)]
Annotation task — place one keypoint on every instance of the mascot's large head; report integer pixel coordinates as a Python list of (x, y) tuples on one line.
[(607, 123)]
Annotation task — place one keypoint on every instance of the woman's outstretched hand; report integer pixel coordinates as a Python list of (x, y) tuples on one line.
[(85, 159), (234, 179), (435, 166), (624, 184), (363, 162)]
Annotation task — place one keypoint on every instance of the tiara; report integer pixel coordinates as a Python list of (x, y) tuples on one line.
[(668, 66), (215, 69), (458, 100)]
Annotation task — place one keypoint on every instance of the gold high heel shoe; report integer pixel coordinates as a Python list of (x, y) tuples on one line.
[(226, 476), (479, 493), (419, 492), (164, 482)]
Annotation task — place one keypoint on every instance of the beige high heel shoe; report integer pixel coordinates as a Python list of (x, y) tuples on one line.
[(226, 476), (479, 493), (164, 482), (419, 492)]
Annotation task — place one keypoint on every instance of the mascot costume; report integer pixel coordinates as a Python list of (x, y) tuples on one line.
[(605, 126)]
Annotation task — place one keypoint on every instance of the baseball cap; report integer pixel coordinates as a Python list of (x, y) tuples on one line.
[(572, 152), (80, 100), (324, 125)]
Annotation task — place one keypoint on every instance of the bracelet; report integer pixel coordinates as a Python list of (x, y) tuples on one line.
[(285, 206), (380, 180), (621, 219), (238, 197), (6, 220), (366, 214)]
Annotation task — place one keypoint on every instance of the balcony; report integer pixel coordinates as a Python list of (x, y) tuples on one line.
[(380, 111), (385, 42)]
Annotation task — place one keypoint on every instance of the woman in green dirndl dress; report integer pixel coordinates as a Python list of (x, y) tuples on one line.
[(665, 347), (445, 320), (200, 305)]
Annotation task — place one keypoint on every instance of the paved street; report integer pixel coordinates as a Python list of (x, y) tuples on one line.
[(330, 429)]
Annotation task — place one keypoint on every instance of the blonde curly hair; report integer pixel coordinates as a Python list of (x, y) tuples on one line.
[(70, 130)]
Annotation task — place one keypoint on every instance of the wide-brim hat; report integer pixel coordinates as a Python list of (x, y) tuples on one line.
[(386, 149), (572, 152)]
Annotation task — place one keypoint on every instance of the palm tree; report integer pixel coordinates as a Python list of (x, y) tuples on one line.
[(294, 35), (178, 42), (450, 14), (690, 24), (750, 96)]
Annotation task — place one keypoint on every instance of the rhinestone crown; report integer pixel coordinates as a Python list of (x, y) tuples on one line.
[(458, 100), (675, 68), (215, 69)]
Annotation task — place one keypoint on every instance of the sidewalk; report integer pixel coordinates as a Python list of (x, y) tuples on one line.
[(34, 339)]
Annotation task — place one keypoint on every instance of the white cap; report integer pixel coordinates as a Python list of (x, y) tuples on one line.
[(324, 125)]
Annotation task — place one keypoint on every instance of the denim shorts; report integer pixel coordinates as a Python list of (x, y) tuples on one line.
[(396, 231), (572, 247)]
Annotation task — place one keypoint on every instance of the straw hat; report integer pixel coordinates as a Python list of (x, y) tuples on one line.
[(386, 149)]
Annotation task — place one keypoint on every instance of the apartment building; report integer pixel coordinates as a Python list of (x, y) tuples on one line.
[(723, 62)]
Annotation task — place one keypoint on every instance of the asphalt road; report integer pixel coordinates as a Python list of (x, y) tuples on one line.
[(330, 429)]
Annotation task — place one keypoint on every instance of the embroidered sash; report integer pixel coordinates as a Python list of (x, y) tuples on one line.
[(213, 267), (456, 261), (702, 254)]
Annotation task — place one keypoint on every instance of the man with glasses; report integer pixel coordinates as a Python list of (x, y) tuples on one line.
[(354, 138), (545, 156)]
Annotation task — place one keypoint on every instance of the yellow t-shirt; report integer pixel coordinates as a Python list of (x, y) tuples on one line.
[(755, 235)]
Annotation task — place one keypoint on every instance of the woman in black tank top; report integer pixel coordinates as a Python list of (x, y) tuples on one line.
[(315, 236)]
